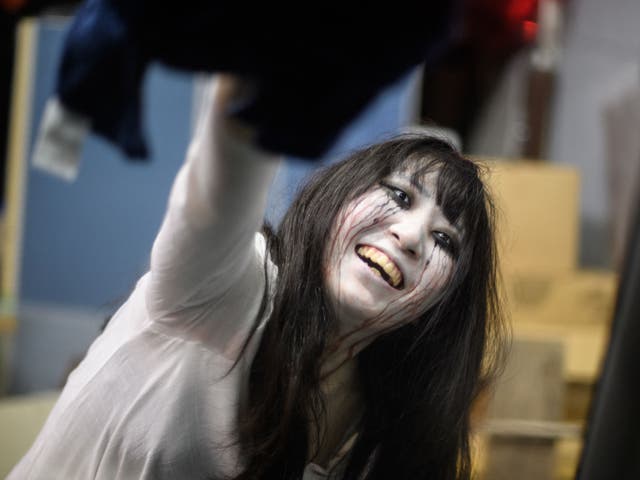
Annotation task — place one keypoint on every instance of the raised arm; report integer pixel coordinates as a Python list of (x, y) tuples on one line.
[(205, 250)]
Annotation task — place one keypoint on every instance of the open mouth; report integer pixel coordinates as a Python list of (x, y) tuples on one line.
[(381, 265)]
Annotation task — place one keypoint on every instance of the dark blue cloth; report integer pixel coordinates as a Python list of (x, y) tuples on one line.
[(315, 66)]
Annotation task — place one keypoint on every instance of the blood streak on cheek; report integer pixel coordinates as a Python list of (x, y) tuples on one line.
[(417, 299)]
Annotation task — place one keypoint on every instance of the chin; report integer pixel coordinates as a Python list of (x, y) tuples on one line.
[(363, 309), (357, 302)]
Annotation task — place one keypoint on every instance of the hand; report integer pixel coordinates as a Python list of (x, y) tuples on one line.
[(230, 90)]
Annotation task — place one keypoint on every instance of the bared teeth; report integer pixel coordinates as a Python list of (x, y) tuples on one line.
[(381, 264)]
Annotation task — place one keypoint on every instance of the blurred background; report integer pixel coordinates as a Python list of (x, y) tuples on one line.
[(545, 92)]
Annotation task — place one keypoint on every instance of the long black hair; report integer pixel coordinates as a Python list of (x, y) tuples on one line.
[(419, 381)]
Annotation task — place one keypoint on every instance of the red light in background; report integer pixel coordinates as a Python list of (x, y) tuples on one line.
[(529, 30), (520, 9), (12, 6)]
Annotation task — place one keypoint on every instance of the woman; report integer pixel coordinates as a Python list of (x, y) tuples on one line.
[(349, 345)]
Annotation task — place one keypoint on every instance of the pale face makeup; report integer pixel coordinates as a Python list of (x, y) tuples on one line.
[(389, 257)]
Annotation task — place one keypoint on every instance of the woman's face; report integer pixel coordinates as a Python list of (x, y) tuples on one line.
[(390, 255)]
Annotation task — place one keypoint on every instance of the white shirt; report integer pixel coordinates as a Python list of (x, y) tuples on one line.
[(154, 397)]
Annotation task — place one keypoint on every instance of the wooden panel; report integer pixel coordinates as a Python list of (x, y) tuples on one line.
[(19, 120), (521, 458), (585, 346), (531, 388)]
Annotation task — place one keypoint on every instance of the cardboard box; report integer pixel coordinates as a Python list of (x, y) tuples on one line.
[(584, 346), (581, 296), (575, 308), (538, 214)]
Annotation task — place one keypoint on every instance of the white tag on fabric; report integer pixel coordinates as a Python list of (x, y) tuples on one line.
[(59, 142)]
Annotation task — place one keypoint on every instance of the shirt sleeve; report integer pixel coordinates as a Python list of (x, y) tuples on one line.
[(206, 269)]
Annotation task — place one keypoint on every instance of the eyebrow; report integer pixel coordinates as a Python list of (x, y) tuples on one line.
[(416, 184)]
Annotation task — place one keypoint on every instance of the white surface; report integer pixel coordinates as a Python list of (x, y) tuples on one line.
[(59, 143), (601, 43)]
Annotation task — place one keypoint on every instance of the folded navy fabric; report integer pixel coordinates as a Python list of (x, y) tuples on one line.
[(314, 67)]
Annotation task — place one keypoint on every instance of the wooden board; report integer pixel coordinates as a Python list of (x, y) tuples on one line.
[(530, 391)]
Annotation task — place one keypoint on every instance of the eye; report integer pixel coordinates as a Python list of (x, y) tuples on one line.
[(445, 242), (398, 195)]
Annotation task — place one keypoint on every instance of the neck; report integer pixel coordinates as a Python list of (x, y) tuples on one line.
[(343, 348), (338, 372), (339, 368), (341, 392)]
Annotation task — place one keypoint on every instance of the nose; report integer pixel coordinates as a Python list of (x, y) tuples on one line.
[(410, 236)]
